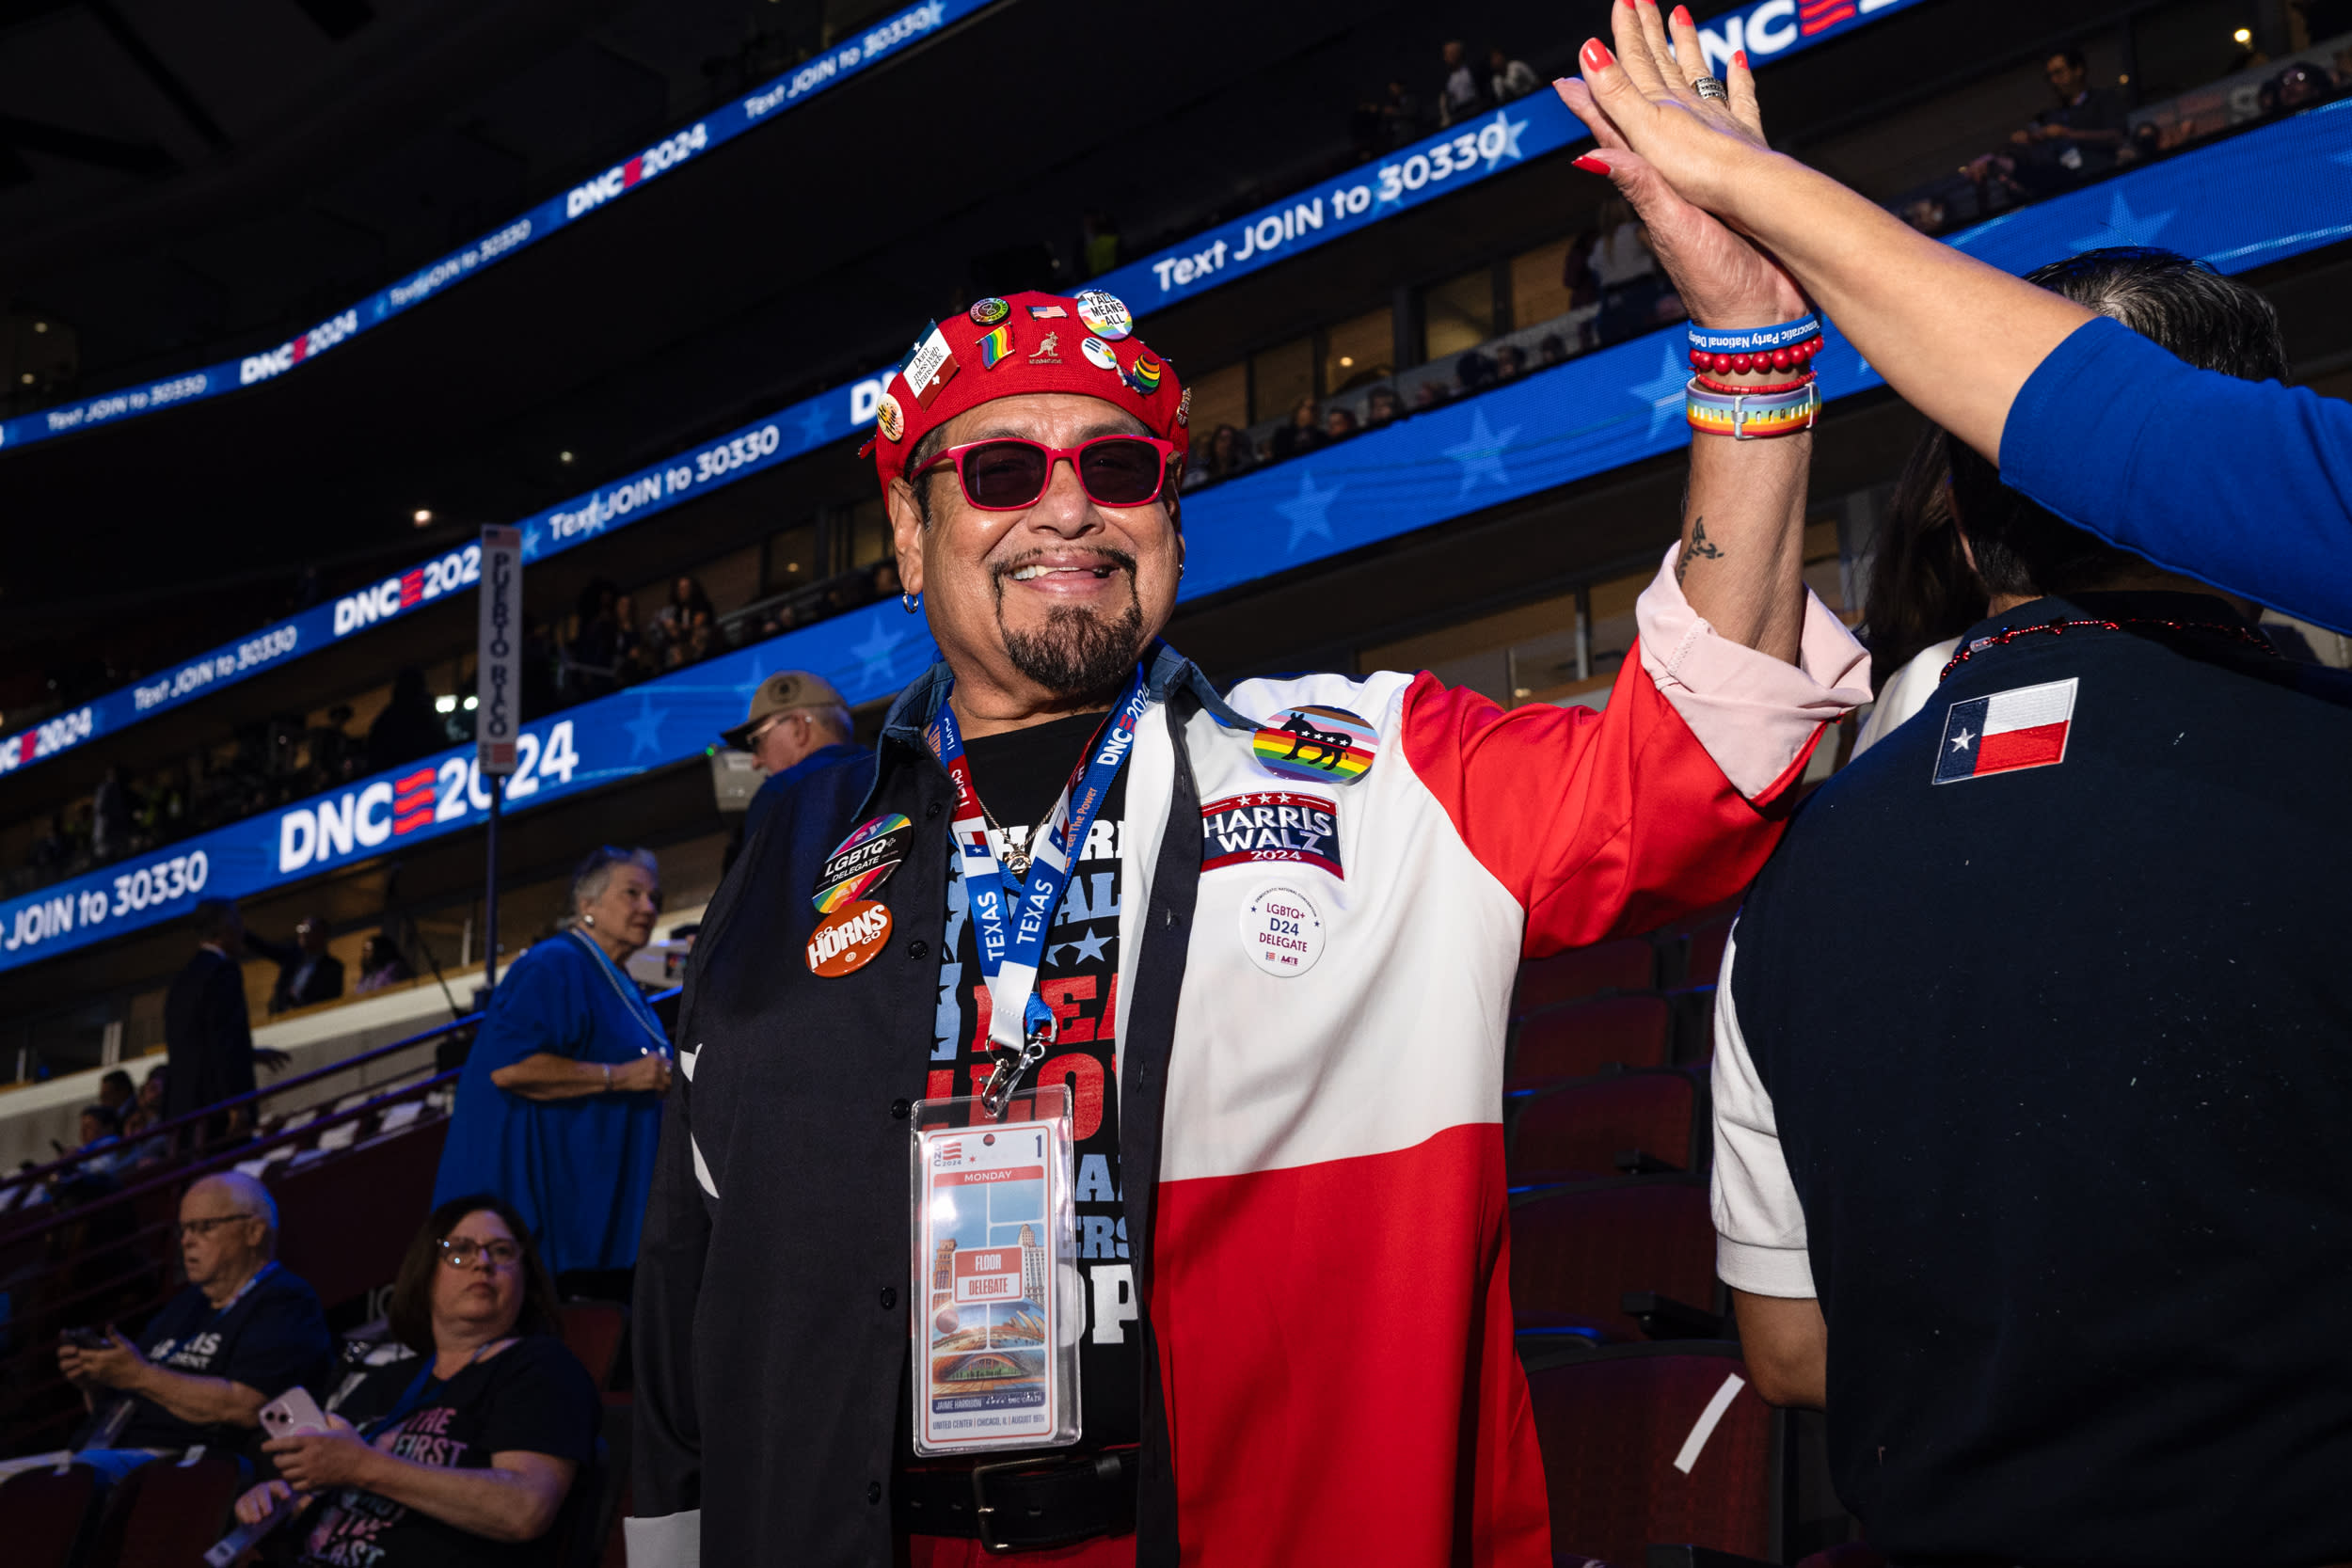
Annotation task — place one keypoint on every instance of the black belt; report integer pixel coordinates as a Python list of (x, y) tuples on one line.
[(1025, 1505)]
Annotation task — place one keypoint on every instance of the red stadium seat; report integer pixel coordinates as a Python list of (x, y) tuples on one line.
[(1653, 1444), (1578, 1132), (1703, 953), (1629, 964), (592, 1331), (1579, 1039), (346, 1220), (164, 1513), (45, 1512), (1575, 1251)]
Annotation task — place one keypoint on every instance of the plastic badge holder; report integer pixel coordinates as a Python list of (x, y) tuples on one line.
[(997, 1307)]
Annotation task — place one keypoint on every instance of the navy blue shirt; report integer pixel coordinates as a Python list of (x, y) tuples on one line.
[(270, 1338), (2049, 994), (764, 799)]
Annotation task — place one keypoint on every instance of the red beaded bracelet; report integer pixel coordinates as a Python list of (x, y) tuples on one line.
[(1740, 364)]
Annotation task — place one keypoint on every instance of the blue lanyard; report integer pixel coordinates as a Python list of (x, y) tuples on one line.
[(1009, 918), (416, 1390), (631, 998)]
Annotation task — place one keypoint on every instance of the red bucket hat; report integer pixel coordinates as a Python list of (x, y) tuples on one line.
[(1030, 342)]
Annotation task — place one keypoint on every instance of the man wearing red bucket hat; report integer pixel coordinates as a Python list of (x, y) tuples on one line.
[(1087, 1144)]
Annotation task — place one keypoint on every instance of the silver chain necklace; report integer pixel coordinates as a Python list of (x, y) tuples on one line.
[(1017, 854)]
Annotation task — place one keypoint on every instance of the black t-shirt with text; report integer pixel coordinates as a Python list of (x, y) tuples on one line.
[(533, 1397), (270, 1338), (1019, 775)]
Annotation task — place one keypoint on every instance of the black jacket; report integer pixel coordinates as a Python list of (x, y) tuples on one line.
[(771, 1326), (326, 982), (207, 1038), (2057, 1059)]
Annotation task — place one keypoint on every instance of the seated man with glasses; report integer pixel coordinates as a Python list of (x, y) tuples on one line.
[(241, 1332), (464, 1451)]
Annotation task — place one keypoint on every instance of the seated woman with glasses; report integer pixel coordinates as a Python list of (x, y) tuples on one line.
[(466, 1451), (560, 1105)]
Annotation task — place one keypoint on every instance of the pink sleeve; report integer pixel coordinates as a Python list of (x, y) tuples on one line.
[(1617, 821)]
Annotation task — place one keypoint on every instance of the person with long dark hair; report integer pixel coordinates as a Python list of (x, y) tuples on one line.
[(1922, 592), (466, 1451)]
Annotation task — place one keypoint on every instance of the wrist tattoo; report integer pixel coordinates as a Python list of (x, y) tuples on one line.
[(1695, 548)]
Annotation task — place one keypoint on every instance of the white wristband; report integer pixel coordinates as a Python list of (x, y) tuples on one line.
[(608, 1077)]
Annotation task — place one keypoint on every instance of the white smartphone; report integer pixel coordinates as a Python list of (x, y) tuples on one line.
[(294, 1414)]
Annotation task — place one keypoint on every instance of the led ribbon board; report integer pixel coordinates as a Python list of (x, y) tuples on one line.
[(1461, 156), (2243, 203), (871, 46), (1432, 168)]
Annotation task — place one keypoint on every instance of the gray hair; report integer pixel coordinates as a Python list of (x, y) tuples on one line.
[(589, 881), (248, 1194), (834, 718)]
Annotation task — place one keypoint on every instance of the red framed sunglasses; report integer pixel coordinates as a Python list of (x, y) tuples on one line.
[(1008, 473)]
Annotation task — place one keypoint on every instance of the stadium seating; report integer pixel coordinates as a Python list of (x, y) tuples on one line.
[(593, 1330), (1703, 953), (1577, 1251), (1583, 1131), (1578, 1040), (1653, 1444), (164, 1515), (1625, 965), (347, 1219), (45, 1512), (1691, 950)]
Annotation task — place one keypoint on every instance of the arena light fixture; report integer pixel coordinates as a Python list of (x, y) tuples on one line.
[(424, 516), (445, 704), (2244, 36)]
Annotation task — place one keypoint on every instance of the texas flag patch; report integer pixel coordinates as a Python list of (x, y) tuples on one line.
[(2007, 731)]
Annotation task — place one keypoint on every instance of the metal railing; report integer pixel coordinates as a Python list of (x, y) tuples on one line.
[(76, 1259)]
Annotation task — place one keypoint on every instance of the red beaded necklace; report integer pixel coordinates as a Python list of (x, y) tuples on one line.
[(2007, 635)]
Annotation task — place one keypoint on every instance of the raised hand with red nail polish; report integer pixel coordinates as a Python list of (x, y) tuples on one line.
[(1724, 281)]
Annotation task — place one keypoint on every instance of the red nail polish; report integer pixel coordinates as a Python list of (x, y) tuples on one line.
[(1591, 165), (1740, 59), (1596, 55), (1683, 16)]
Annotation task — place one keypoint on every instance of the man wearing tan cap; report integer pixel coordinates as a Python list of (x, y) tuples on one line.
[(798, 723)]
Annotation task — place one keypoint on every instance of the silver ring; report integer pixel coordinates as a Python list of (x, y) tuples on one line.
[(1710, 87)]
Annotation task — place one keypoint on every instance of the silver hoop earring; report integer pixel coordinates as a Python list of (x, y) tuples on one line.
[(913, 602)]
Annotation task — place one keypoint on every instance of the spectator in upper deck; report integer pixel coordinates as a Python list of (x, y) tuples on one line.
[(1303, 435), (381, 965), (208, 1035), (1507, 78), (1401, 116), (2079, 138), (408, 728), (1462, 94), (110, 818), (307, 974)]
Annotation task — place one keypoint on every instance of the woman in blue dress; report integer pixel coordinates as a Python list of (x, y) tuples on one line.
[(559, 1109)]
